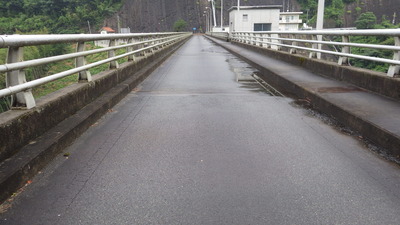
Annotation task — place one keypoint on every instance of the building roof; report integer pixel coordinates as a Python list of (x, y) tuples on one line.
[(291, 13), (108, 29), (256, 7)]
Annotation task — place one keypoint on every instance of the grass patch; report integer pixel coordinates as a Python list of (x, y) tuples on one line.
[(54, 68)]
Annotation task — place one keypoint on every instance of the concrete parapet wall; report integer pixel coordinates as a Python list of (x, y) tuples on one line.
[(370, 80)]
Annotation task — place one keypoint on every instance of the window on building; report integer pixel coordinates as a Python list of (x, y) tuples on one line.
[(262, 27), (245, 17)]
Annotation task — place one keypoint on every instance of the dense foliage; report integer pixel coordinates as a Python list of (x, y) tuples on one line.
[(56, 16), (49, 16), (180, 25), (334, 16), (334, 10), (368, 21)]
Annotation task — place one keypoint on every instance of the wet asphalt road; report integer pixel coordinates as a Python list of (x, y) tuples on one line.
[(191, 145)]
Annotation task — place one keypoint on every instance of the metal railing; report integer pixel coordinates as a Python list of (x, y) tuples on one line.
[(312, 42), (20, 89)]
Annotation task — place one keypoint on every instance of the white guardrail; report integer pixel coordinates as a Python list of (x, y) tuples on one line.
[(20, 89), (314, 39)]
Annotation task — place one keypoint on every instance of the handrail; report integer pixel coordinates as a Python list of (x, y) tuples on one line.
[(41, 39), (275, 40), (20, 89), (42, 61), (369, 32)]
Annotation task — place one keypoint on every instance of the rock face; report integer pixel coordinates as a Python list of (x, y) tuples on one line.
[(160, 15)]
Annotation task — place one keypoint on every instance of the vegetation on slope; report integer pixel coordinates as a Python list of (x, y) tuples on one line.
[(56, 16)]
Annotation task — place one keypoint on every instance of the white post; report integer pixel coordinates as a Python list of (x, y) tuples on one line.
[(320, 23), (237, 18), (222, 14), (213, 10)]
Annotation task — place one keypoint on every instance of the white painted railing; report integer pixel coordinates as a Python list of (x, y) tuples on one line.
[(314, 39), (20, 89)]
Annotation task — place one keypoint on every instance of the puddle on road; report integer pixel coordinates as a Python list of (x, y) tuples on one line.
[(248, 78)]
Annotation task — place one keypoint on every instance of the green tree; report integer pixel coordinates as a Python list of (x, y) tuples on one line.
[(366, 20), (180, 25)]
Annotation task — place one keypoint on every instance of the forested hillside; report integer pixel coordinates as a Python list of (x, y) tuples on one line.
[(54, 16), (345, 13), (75, 16)]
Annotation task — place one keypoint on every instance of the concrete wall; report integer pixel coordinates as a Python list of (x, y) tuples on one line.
[(236, 22), (370, 80)]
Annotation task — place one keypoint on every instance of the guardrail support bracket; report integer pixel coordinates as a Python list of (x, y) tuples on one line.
[(395, 69), (81, 61), (345, 49), (113, 64), (21, 100)]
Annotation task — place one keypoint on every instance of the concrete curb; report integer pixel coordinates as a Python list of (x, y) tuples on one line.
[(30, 159), (377, 134)]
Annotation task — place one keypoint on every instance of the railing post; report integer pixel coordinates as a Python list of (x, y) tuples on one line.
[(111, 53), (345, 49), (23, 99), (269, 40), (274, 42), (159, 42), (249, 38), (314, 46), (152, 44), (395, 69), (81, 61), (294, 43), (261, 40), (278, 47), (143, 53), (131, 58)]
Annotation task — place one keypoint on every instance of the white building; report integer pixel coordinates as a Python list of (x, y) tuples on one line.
[(254, 18), (289, 21)]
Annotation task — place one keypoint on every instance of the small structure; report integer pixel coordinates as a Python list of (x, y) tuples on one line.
[(254, 18), (219, 29), (126, 30), (289, 21), (104, 43), (107, 30)]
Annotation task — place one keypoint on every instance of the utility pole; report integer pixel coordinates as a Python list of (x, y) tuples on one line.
[(213, 12), (119, 24), (90, 30), (237, 18), (320, 14), (320, 23), (222, 14)]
